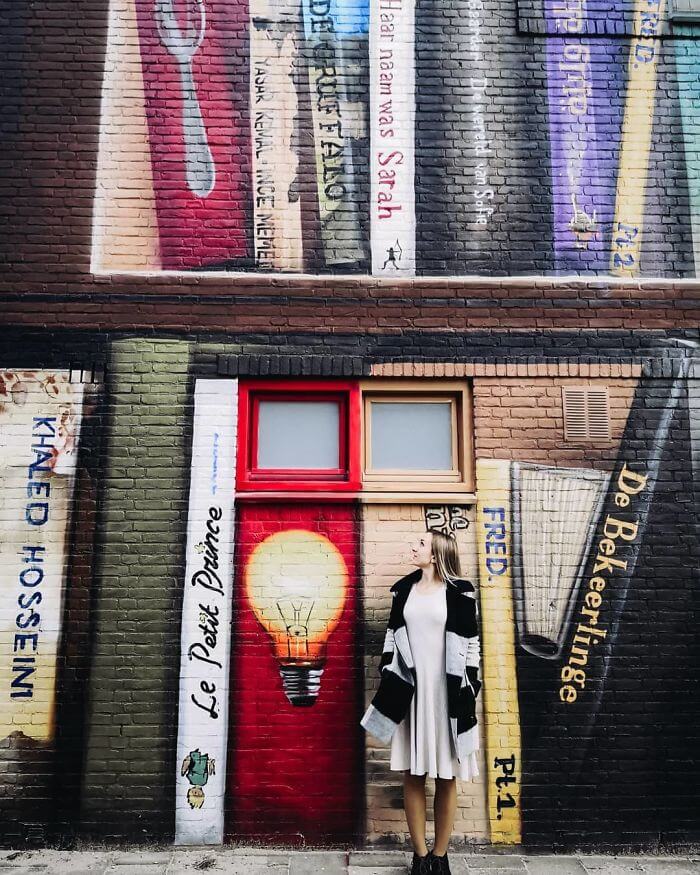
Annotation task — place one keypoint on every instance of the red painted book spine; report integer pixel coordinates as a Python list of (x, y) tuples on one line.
[(196, 96)]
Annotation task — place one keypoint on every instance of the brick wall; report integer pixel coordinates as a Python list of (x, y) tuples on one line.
[(113, 749), (525, 420), (575, 265)]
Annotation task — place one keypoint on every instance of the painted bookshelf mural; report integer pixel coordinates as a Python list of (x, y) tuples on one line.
[(587, 598), (372, 137)]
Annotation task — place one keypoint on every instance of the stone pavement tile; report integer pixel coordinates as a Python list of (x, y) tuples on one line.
[(137, 868), (29, 860), (457, 865), (227, 860), (229, 867), (489, 862), (328, 863), (24, 869), (257, 869), (610, 865), (377, 870), (255, 856), (15, 865), (93, 864), (56, 862), (615, 868), (491, 870), (554, 865), (268, 853), (201, 861), (95, 868), (665, 866), (196, 860), (72, 870), (193, 862), (379, 859), (142, 858)]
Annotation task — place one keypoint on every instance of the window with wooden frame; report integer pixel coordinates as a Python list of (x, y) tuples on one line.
[(586, 414), (300, 435), (684, 10), (417, 438)]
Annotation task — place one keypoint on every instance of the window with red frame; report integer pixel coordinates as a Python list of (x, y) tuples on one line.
[(298, 436)]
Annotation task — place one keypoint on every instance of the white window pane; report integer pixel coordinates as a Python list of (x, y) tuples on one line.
[(411, 436), (298, 434)]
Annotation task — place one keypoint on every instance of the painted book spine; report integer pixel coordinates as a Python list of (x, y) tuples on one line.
[(501, 710), (202, 733), (392, 138), (275, 34), (468, 200), (584, 76), (40, 429), (198, 132), (570, 713), (329, 26), (633, 169)]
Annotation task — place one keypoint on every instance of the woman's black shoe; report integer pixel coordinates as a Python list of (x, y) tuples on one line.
[(441, 865), (422, 865)]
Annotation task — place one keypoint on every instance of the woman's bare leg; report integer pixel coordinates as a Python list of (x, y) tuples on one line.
[(445, 808), (414, 806)]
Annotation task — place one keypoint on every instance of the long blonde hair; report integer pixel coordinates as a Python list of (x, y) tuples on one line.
[(447, 564)]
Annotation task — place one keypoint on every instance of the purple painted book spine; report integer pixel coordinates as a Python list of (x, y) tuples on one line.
[(584, 77)]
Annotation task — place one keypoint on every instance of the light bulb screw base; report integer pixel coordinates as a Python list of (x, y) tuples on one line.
[(301, 684)]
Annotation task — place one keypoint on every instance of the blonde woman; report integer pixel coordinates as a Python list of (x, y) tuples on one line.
[(426, 701)]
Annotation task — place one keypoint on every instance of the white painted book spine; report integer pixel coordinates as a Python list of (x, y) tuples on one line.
[(392, 137), (205, 648)]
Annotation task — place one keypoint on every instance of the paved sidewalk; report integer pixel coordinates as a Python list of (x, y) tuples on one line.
[(249, 861)]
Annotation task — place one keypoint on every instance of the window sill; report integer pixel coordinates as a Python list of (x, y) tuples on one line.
[(364, 497), (437, 497)]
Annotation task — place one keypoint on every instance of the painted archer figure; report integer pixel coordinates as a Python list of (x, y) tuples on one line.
[(394, 254)]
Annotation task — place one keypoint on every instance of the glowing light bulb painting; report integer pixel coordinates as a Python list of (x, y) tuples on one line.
[(296, 582)]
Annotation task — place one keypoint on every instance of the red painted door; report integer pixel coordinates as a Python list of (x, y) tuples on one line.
[(295, 765)]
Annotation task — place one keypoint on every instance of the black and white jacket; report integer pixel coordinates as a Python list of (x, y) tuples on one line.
[(397, 673)]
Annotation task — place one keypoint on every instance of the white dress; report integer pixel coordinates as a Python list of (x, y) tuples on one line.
[(422, 742)]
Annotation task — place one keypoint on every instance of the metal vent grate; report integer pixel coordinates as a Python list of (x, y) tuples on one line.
[(586, 414)]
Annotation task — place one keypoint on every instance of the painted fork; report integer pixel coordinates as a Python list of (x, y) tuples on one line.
[(182, 44)]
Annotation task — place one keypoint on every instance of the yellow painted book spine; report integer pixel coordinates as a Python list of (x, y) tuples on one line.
[(501, 710), (628, 224)]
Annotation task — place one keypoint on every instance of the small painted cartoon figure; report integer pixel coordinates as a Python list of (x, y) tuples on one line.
[(583, 226), (197, 767), (392, 254)]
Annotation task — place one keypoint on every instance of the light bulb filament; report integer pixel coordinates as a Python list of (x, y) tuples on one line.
[(297, 625)]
